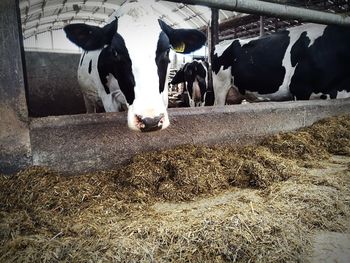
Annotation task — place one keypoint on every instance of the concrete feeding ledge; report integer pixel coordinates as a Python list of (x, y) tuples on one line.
[(92, 142)]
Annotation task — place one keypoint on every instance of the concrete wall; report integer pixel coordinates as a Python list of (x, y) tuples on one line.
[(14, 132), (92, 142), (53, 87)]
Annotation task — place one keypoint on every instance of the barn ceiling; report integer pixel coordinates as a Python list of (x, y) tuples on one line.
[(40, 16)]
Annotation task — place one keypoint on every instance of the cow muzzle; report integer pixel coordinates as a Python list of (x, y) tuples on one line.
[(148, 124)]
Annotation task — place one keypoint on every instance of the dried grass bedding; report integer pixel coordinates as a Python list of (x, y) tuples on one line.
[(189, 204)]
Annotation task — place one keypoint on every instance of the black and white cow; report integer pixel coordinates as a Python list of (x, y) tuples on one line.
[(292, 64), (194, 75), (126, 63)]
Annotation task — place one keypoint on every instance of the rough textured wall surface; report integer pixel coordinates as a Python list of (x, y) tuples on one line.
[(53, 87), (14, 133)]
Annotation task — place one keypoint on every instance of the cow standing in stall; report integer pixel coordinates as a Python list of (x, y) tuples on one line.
[(125, 63), (299, 63), (194, 76)]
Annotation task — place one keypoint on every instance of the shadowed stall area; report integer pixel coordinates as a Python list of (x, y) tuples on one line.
[(256, 203)]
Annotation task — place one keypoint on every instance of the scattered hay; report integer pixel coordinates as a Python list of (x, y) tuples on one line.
[(300, 145), (177, 174), (333, 134), (314, 143), (255, 203), (186, 172)]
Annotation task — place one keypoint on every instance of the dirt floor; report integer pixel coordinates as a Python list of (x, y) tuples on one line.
[(328, 246), (331, 247), (279, 201)]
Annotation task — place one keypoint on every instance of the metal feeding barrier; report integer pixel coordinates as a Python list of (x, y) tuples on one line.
[(273, 9)]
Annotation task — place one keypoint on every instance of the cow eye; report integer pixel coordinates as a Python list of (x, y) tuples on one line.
[(166, 57), (115, 53), (162, 57)]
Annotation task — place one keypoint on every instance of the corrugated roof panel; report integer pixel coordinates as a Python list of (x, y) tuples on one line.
[(42, 12)]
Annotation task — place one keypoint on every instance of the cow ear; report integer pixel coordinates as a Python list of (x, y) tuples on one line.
[(85, 36), (110, 30), (183, 40), (91, 37)]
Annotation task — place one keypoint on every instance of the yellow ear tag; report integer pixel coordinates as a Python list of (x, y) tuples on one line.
[(180, 48)]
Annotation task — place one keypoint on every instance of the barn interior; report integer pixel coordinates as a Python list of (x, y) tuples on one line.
[(47, 48), (45, 95), (264, 182)]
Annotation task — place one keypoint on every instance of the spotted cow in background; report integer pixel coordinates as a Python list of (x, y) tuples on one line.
[(194, 76), (125, 63), (300, 63)]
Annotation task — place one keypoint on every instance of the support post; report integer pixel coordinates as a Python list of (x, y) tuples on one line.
[(262, 30), (15, 152), (215, 26), (213, 31), (213, 39)]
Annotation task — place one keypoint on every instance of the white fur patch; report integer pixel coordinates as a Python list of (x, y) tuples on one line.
[(140, 30), (221, 84), (220, 48)]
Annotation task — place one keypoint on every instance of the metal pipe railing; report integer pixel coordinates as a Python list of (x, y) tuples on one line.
[(273, 9)]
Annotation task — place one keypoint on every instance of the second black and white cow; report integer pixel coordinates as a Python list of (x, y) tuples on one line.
[(194, 75), (125, 63), (292, 64)]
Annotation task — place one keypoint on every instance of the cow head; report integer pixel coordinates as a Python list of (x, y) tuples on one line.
[(138, 58)]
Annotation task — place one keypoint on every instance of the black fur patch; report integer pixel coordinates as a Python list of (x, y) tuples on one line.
[(162, 59), (257, 66), (324, 67), (115, 60), (82, 59), (299, 49), (90, 66)]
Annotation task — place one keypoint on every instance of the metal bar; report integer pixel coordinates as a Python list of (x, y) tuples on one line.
[(215, 26), (273, 9), (261, 24)]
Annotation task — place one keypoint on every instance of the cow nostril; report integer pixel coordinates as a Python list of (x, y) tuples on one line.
[(139, 122), (162, 119), (149, 124)]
